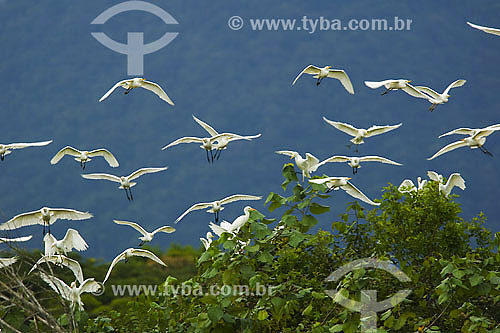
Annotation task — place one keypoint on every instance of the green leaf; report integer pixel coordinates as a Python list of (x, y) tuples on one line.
[(307, 311), (252, 248), (262, 315), (265, 257), (336, 328), (458, 273), (316, 208), (475, 280), (209, 299), (309, 221), (296, 238), (215, 314)]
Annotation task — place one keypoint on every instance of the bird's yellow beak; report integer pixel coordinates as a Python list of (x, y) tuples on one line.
[(408, 81), (291, 157), (328, 67), (349, 178)]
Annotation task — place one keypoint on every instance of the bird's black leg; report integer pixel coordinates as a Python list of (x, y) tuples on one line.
[(385, 92), (484, 150), (127, 91), (433, 106), (126, 192), (216, 216), (2, 157), (318, 82), (83, 167), (43, 230), (208, 157), (354, 171), (141, 243), (220, 152), (130, 191), (357, 151), (211, 156), (329, 189)]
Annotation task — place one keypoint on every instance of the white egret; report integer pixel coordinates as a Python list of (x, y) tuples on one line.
[(207, 241), (454, 180), (15, 240), (436, 98), (233, 227), (61, 261), (334, 183), (4, 262), (139, 82), (124, 181), (391, 84), (131, 252), (6, 149), (308, 165), (84, 156), (360, 133), (327, 71), (493, 31), (72, 293), (146, 236), (407, 186), (216, 206), (44, 216), (476, 139), (354, 162), (223, 141), (72, 240)]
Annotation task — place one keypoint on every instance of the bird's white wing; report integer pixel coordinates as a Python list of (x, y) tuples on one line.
[(73, 239), (376, 130), (375, 84), (110, 158), (69, 214), (412, 91), (22, 220), (198, 206), (312, 162), (378, 159), (407, 186), (433, 176), (186, 139), (354, 192), (311, 69), (26, 145), (117, 259), (206, 127), (485, 132), (166, 229), (133, 225), (286, 152), (72, 264), (16, 240), (462, 130), (110, 91), (136, 174), (493, 31), (455, 84), (151, 86), (336, 158), (147, 254), (243, 137), (104, 176), (90, 286), (4, 262), (205, 243), (58, 285), (455, 180), (321, 181), (68, 150), (450, 147), (237, 197), (428, 91), (346, 128), (216, 229), (48, 241), (343, 78)]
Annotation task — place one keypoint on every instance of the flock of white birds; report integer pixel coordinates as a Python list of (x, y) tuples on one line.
[(55, 251)]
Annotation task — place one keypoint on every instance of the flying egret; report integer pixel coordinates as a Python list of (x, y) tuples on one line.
[(391, 84), (146, 236), (4, 262), (476, 139), (492, 31), (84, 156), (216, 206), (15, 240), (131, 252), (407, 186), (72, 293), (436, 98), (61, 261), (334, 183), (139, 82), (124, 181), (360, 133), (234, 227), (72, 240), (308, 165), (223, 141), (6, 149), (44, 216), (354, 162), (454, 180), (321, 73), (207, 241)]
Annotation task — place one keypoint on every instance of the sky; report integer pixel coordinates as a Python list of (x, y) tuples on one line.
[(238, 79)]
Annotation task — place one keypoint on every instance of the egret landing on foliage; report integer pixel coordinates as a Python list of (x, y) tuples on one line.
[(454, 180), (72, 240)]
